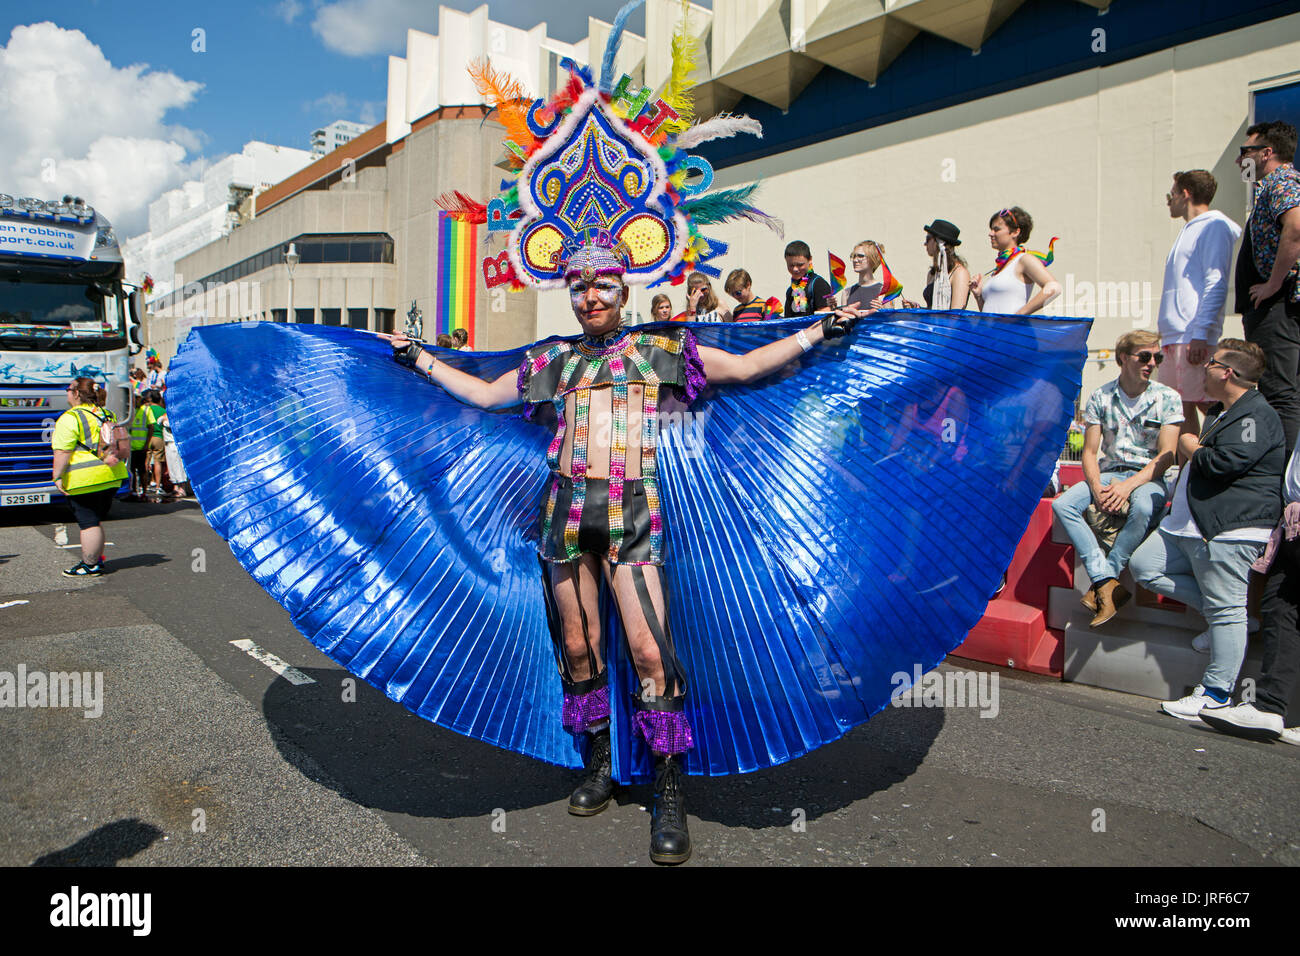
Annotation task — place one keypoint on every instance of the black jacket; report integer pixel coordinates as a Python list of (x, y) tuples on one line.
[(1235, 478)]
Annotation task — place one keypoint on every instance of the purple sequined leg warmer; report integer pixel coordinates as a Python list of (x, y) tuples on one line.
[(586, 703), (666, 730)]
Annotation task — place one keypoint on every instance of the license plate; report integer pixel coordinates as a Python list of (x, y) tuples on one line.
[(24, 498)]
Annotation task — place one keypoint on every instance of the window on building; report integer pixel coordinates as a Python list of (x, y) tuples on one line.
[(358, 318), (384, 320), (304, 316), (279, 315), (331, 316)]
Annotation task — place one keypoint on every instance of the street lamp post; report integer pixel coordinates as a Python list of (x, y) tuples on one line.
[(291, 260)]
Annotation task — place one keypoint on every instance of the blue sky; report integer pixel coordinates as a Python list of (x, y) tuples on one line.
[(268, 73), (132, 109)]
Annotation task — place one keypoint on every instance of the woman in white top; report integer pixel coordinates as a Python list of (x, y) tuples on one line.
[(1009, 289), (701, 301)]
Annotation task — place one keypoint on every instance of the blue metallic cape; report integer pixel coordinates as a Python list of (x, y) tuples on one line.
[(817, 547)]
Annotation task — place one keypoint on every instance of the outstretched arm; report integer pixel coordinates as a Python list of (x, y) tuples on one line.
[(498, 393), (725, 368)]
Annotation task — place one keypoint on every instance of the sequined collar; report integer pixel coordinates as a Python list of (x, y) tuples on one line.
[(603, 344)]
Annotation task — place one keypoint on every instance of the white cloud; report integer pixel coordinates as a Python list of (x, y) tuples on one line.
[(288, 10), (364, 27), (329, 103), (98, 129)]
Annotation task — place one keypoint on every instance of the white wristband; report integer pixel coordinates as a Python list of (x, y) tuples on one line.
[(802, 338)]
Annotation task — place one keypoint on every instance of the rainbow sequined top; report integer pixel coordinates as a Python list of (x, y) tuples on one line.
[(654, 360)]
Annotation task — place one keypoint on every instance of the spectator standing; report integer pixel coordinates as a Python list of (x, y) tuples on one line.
[(661, 308), (1279, 635), (460, 340), (1226, 503), (144, 425), (444, 341), (947, 284), (866, 258), (809, 293), (175, 467), (1195, 288), (155, 378), (1129, 442), (87, 471), (1268, 294), (749, 307), (155, 447), (1009, 289), (702, 302)]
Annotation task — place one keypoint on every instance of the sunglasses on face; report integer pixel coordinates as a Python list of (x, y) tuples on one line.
[(1243, 150), (1144, 357), (1215, 363)]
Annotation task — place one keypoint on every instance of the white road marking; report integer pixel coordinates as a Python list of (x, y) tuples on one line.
[(283, 668), (12, 604), (107, 544)]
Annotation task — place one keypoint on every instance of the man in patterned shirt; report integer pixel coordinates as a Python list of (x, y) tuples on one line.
[(1133, 423), (1268, 295)]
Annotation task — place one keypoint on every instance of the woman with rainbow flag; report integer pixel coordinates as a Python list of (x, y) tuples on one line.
[(1009, 289)]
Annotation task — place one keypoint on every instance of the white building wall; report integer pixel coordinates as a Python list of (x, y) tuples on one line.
[(1090, 156)]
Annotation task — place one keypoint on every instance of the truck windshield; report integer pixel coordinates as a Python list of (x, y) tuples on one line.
[(62, 311)]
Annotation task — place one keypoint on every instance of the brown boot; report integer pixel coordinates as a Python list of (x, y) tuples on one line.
[(1089, 599), (1111, 596)]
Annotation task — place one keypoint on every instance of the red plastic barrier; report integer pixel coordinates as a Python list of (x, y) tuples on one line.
[(1013, 631)]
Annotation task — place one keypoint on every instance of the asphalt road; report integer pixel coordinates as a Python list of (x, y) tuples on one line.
[(204, 755)]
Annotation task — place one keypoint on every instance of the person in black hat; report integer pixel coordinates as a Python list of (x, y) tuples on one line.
[(947, 284)]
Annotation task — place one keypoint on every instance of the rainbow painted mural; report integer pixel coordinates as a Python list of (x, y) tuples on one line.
[(457, 242)]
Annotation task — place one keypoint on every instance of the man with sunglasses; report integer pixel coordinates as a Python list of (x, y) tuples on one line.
[(1195, 288), (1226, 503), (1132, 429), (1268, 293)]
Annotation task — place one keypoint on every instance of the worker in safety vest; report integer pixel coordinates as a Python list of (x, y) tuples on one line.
[(88, 480), (145, 426)]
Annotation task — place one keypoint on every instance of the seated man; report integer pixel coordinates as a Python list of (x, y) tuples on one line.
[(1132, 424), (1228, 499)]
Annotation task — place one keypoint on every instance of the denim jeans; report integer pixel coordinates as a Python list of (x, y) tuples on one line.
[(1145, 501), (1211, 577)]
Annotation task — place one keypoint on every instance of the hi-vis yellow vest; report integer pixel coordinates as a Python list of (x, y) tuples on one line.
[(85, 469)]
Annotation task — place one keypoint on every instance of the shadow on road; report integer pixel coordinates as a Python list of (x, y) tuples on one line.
[(105, 846), (378, 754), (135, 561)]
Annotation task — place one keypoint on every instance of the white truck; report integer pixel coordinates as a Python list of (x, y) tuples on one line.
[(64, 313)]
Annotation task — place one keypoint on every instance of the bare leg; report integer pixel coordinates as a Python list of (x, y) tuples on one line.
[(574, 589), (641, 596), (92, 544)]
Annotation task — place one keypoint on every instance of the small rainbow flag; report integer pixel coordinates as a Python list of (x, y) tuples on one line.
[(457, 275), (892, 287), (838, 281)]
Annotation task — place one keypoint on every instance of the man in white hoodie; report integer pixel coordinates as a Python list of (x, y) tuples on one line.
[(1196, 287)]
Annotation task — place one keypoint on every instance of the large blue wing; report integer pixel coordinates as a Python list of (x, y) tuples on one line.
[(829, 527)]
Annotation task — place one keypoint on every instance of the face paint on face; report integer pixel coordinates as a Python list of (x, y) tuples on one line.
[(608, 292)]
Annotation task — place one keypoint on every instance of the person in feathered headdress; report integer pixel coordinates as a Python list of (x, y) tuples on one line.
[(604, 204)]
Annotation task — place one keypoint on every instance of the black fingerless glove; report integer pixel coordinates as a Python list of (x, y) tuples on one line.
[(836, 326), (408, 354)]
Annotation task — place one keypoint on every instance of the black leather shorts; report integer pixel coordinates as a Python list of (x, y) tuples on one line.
[(631, 534)]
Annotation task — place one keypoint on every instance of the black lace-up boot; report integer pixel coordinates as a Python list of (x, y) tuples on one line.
[(669, 840), (592, 795)]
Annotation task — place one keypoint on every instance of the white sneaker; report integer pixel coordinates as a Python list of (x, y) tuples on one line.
[(1245, 720), (1290, 735), (1201, 642), (1190, 707)]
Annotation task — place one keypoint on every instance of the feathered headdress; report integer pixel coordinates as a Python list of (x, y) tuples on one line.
[(603, 164)]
